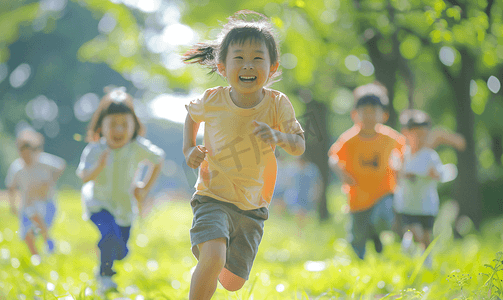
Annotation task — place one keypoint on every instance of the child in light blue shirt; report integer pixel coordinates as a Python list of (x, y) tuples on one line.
[(108, 166)]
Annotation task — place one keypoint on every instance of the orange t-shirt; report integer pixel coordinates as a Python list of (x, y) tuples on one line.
[(368, 161), (239, 168)]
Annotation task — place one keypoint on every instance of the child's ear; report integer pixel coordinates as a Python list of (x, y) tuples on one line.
[(273, 69), (354, 116), (221, 69), (385, 117)]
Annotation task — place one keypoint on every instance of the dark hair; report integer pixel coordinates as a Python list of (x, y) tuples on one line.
[(411, 118), (115, 101), (244, 25), (374, 93)]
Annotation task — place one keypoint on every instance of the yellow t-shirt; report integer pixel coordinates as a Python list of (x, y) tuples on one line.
[(368, 161), (240, 168)]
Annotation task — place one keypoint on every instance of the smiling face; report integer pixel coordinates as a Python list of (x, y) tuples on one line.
[(118, 129), (247, 66)]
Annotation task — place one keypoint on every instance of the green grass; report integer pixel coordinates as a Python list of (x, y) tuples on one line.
[(313, 263)]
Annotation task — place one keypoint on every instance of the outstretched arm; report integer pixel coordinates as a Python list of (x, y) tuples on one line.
[(442, 136)]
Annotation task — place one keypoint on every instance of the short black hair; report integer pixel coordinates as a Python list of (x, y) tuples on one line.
[(370, 99)]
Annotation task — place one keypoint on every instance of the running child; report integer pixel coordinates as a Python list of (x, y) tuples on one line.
[(417, 200), (366, 158), (107, 167), (34, 174), (244, 122)]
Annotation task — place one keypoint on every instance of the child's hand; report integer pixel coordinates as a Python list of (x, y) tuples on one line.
[(196, 156), (139, 192), (265, 132), (13, 210), (410, 176), (104, 157), (434, 174)]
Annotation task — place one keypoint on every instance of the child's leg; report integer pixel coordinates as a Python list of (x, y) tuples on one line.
[(230, 281), (360, 231), (212, 256), (36, 219), (30, 241), (111, 244)]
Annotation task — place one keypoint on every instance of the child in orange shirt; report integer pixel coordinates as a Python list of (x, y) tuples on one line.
[(244, 122), (366, 158)]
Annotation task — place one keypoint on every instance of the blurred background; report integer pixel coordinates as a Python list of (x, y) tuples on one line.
[(444, 57)]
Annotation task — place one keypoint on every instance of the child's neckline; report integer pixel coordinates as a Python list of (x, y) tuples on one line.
[(246, 110)]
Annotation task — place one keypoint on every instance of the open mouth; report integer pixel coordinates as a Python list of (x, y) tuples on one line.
[(247, 78), (117, 139)]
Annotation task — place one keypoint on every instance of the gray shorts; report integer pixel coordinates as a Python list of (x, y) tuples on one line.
[(243, 230)]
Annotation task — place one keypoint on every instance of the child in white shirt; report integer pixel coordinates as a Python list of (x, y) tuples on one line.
[(34, 174)]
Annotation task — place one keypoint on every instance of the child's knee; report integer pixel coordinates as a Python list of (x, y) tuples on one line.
[(213, 252), (230, 281)]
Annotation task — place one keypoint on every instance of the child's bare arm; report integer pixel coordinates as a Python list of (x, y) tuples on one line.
[(194, 155), (442, 136), (343, 175), (59, 171), (143, 187), (12, 200), (292, 143), (92, 174)]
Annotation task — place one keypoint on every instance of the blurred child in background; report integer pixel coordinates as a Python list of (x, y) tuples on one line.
[(416, 199), (34, 174), (244, 122), (366, 158), (107, 167), (303, 189)]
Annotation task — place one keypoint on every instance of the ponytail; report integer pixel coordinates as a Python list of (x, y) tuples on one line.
[(203, 54)]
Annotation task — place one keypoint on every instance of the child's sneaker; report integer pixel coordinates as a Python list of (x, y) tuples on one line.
[(105, 284), (50, 246)]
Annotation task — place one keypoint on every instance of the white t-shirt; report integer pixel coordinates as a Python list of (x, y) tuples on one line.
[(419, 196), (113, 187), (30, 179)]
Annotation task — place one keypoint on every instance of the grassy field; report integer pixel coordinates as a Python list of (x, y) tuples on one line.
[(314, 262)]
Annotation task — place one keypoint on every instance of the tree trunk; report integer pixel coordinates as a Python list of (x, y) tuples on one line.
[(385, 73), (466, 187), (315, 131), (497, 148)]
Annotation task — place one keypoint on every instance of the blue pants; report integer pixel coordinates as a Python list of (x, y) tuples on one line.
[(365, 223), (113, 243)]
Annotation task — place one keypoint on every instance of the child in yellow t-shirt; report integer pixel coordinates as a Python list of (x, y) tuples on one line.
[(366, 158), (237, 167)]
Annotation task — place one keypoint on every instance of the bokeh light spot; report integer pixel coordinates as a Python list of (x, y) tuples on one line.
[(20, 75), (447, 55), (494, 84), (352, 63), (289, 61), (366, 68)]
